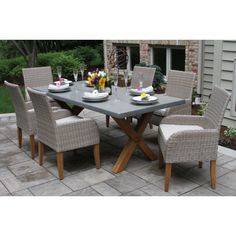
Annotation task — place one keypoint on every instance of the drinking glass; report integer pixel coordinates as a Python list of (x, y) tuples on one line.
[(126, 75), (59, 72), (141, 80), (82, 72), (75, 73), (115, 79)]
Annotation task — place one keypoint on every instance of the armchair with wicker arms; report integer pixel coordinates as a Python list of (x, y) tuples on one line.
[(185, 138), (179, 84), (63, 132)]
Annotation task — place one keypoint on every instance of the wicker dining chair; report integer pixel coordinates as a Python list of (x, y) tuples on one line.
[(62, 132), (25, 116), (179, 84), (185, 138), (148, 76)]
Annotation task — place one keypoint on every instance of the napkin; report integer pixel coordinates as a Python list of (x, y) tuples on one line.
[(55, 87), (144, 90), (95, 94)]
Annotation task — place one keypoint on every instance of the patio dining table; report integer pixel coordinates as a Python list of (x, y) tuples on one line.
[(119, 109)]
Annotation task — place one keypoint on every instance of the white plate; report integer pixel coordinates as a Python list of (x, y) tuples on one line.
[(151, 100), (59, 90), (86, 99)]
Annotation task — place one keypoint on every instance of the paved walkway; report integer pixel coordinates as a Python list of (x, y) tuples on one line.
[(21, 176)]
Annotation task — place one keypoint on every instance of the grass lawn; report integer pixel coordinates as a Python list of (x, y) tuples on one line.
[(5, 101)]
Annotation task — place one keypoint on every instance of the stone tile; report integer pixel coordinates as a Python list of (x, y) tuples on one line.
[(200, 191), (13, 159), (202, 175), (24, 192), (228, 180), (5, 173), (84, 192), (126, 183), (227, 151), (52, 188), (14, 184), (8, 149), (153, 190), (230, 165), (224, 159), (25, 167), (221, 189), (94, 176), (106, 190), (136, 163), (54, 171), (178, 185), (75, 182), (150, 173), (2, 137), (135, 193), (3, 190)]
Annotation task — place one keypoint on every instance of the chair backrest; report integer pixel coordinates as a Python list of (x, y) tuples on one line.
[(180, 84), (216, 106), (44, 116), (36, 77), (19, 105), (148, 76)]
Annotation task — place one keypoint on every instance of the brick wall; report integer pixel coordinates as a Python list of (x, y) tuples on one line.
[(191, 50)]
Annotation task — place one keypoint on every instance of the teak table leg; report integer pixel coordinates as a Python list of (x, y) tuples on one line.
[(135, 139)]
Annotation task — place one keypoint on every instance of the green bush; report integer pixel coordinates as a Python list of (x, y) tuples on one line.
[(158, 78), (92, 57)]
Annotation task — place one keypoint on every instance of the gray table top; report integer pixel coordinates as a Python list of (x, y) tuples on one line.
[(118, 109)]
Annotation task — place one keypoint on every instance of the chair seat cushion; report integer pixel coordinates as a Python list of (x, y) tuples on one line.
[(68, 120), (161, 112), (167, 130)]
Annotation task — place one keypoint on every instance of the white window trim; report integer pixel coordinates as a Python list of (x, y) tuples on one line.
[(233, 97)]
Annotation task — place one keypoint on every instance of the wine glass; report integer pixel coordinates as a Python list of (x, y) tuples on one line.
[(140, 80), (115, 79), (82, 68), (59, 72), (126, 75), (75, 73)]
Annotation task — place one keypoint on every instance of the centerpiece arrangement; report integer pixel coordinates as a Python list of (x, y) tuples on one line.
[(99, 80)]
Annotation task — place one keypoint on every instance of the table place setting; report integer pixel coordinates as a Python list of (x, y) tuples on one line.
[(139, 90), (58, 87), (144, 99), (95, 96)]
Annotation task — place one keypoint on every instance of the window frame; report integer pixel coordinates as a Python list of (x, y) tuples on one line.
[(168, 55)]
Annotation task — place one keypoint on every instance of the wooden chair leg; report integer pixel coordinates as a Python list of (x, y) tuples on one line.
[(96, 154), (19, 135), (60, 165), (167, 176), (32, 146), (161, 160), (200, 164), (107, 120), (41, 151), (213, 173)]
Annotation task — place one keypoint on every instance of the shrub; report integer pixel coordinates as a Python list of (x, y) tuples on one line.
[(158, 78)]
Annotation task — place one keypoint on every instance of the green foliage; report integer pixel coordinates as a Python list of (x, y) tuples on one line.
[(201, 110), (92, 57), (230, 132), (158, 78)]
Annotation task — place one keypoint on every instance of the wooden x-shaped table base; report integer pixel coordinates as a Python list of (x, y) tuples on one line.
[(135, 139)]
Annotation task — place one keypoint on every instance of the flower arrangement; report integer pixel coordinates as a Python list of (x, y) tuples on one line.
[(97, 79)]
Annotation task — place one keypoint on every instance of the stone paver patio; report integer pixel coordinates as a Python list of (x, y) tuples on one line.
[(21, 176)]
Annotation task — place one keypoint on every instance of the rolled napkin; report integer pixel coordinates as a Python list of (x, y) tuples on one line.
[(57, 87), (143, 90), (95, 94)]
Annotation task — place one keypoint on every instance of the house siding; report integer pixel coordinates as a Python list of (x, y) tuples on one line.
[(218, 69)]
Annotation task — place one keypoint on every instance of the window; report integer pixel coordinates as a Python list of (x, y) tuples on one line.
[(127, 56), (169, 58)]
